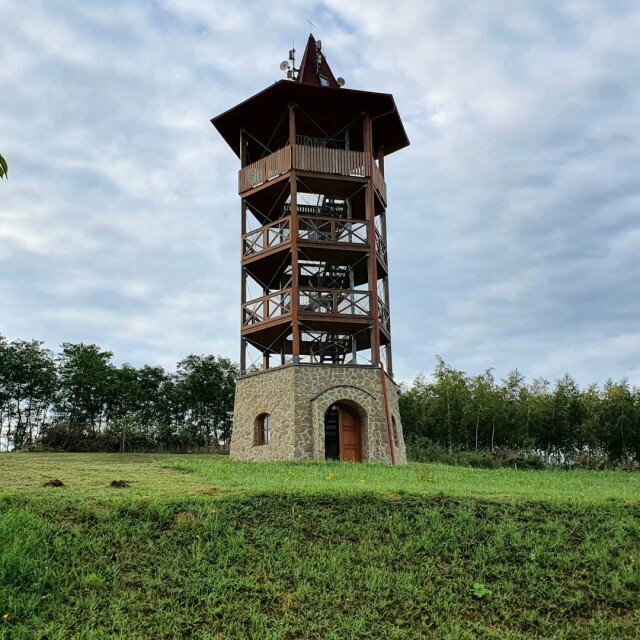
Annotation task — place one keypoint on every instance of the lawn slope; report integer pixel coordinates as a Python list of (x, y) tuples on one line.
[(198, 547)]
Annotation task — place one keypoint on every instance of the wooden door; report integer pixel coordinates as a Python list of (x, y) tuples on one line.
[(350, 435)]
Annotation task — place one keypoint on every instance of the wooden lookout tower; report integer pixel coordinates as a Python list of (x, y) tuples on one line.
[(317, 373)]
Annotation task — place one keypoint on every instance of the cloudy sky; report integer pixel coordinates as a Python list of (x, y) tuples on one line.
[(514, 215)]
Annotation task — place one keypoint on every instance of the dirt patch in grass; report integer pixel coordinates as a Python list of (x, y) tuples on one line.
[(119, 484), (53, 483)]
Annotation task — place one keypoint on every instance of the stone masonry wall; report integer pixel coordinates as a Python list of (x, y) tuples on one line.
[(297, 397), (266, 392)]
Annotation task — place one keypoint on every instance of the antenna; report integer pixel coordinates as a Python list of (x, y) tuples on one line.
[(289, 66)]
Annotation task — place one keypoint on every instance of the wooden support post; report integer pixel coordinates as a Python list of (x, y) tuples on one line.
[(243, 149), (385, 284), (370, 212), (243, 356), (243, 273), (295, 294)]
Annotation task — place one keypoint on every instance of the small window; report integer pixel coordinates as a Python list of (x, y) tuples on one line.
[(324, 81), (262, 430)]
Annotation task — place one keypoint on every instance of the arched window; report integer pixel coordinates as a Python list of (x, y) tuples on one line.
[(262, 429)]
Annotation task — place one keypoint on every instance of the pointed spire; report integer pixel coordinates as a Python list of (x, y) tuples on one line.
[(314, 68)]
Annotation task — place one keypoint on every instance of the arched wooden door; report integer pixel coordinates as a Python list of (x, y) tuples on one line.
[(350, 434)]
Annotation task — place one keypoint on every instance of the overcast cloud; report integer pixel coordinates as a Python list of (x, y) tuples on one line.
[(514, 215)]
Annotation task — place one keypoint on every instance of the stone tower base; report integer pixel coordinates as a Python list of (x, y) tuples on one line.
[(296, 397)]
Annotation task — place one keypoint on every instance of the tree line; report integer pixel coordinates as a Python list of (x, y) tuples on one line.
[(79, 400), (559, 421)]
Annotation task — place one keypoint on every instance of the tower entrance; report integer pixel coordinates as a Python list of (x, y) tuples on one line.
[(342, 434)]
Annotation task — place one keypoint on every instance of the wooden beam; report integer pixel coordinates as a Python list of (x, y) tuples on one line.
[(295, 294), (370, 212), (243, 275)]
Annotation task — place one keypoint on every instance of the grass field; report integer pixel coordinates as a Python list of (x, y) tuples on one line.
[(200, 547)]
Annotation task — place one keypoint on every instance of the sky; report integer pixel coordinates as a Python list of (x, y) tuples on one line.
[(513, 219)]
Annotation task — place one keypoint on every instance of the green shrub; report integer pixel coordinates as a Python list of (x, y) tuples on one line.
[(424, 450)]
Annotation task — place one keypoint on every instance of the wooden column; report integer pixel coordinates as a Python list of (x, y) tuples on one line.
[(295, 295), (370, 212), (385, 284), (243, 273)]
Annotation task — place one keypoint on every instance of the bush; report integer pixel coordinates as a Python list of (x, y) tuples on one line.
[(66, 436), (424, 450)]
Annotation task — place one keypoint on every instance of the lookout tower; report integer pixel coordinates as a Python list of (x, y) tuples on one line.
[(315, 357)]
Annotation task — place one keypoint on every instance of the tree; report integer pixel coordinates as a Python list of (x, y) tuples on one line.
[(27, 388), (4, 168), (619, 423), (206, 386), (85, 390), (482, 389), (452, 396)]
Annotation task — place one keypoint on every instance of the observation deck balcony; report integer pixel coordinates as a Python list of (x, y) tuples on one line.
[(345, 309), (336, 240), (310, 229), (337, 162)]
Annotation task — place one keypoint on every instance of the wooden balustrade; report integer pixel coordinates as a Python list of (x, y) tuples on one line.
[(379, 183), (381, 248), (336, 161), (308, 158), (384, 316), (266, 308), (322, 229), (265, 169), (270, 235), (310, 228), (335, 301), (338, 302)]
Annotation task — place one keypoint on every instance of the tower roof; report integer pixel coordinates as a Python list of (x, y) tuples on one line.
[(318, 93), (314, 68)]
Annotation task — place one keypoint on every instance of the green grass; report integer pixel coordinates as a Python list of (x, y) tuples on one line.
[(200, 547)]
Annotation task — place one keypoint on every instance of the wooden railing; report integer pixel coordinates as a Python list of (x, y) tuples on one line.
[(322, 301), (321, 229), (381, 248), (266, 308), (266, 237), (384, 316), (336, 161), (310, 228), (379, 183), (308, 158), (335, 301), (265, 169)]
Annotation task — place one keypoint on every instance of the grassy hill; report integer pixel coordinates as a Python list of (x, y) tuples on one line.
[(199, 547)]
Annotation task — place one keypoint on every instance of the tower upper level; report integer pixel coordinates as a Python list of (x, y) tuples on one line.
[(327, 106)]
